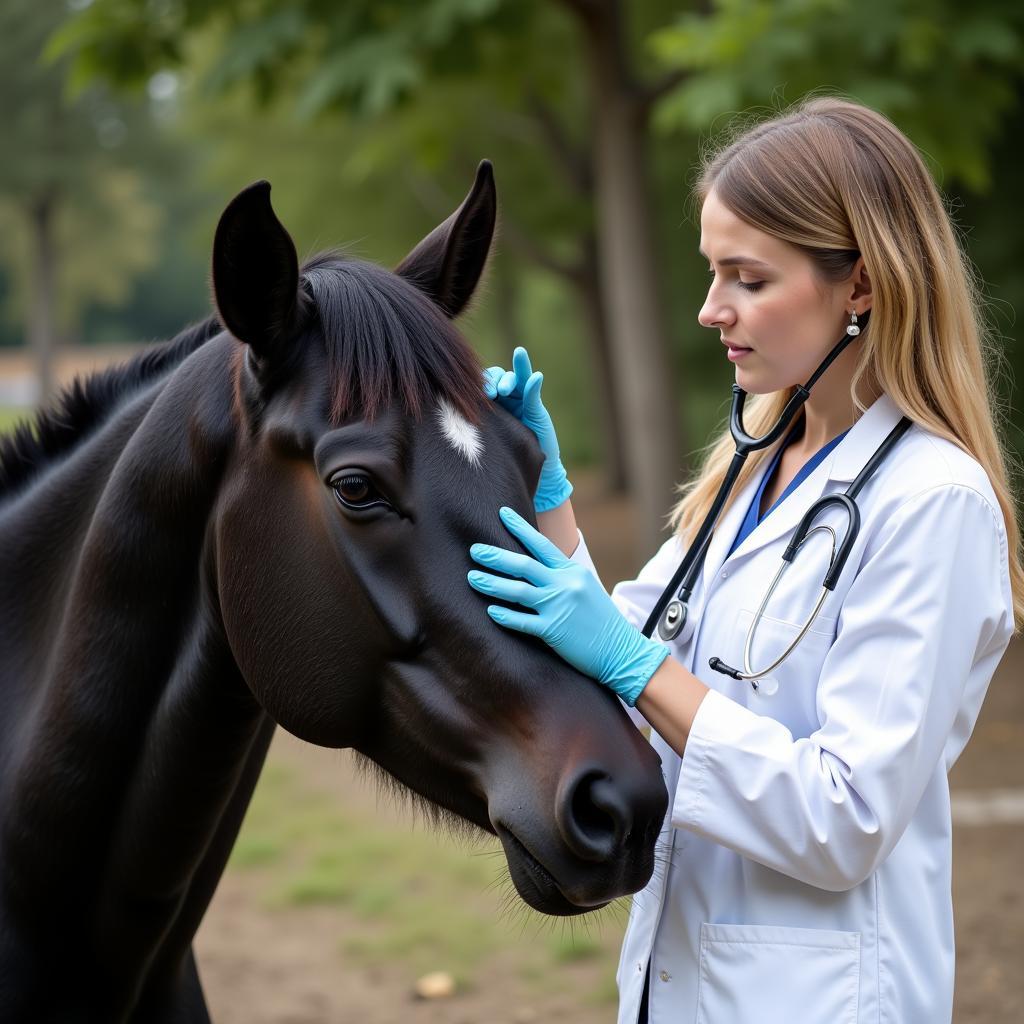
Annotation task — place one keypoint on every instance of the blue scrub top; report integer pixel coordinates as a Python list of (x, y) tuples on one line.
[(752, 518)]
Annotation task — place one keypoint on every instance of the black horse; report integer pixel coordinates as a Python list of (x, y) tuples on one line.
[(264, 525)]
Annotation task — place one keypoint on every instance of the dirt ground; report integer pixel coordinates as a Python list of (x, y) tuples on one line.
[(283, 967)]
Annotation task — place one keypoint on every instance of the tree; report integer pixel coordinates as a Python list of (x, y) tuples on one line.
[(370, 57), (61, 191), (947, 75)]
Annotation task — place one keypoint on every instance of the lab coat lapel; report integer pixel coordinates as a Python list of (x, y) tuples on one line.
[(841, 466), (728, 527), (854, 451)]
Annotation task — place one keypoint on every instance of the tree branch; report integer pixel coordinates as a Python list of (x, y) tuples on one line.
[(574, 163), (526, 246), (587, 10), (653, 91), (431, 197)]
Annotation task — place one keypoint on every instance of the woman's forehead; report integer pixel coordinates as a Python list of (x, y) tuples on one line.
[(729, 241)]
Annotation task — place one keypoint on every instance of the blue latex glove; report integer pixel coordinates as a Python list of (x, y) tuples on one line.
[(518, 391), (574, 615)]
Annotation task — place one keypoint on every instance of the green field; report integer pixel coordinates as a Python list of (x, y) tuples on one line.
[(9, 416), (408, 895)]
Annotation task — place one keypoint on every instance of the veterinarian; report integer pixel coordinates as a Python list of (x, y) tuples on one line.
[(804, 872)]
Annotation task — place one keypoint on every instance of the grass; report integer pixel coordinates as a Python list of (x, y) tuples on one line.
[(9, 415), (408, 895)]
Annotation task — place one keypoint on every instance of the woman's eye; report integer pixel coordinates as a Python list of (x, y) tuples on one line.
[(356, 491), (749, 286)]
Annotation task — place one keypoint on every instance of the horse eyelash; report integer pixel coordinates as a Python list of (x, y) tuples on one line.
[(377, 497)]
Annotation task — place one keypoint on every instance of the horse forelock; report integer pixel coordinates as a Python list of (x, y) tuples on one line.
[(386, 342)]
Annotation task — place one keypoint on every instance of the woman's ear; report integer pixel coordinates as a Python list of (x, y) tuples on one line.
[(860, 288), (447, 264), (256, 274)]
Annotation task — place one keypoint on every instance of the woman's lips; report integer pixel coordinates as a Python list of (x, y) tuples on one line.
[(736, 352)]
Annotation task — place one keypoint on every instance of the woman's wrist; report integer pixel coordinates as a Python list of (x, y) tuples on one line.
[(553, 487), (670, 701), (559, 526)]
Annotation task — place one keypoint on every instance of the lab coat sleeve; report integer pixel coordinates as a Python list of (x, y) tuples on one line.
[(930, 602), (636, 598)]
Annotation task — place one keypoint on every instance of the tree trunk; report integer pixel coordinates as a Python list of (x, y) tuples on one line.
[(629, 274), (42, 333), (582, 277), (606, 398), (506, 294)]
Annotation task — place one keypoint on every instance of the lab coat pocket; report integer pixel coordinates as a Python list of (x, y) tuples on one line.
[(777, 975)]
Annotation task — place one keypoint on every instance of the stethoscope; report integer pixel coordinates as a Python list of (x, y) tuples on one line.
[(670, 613)]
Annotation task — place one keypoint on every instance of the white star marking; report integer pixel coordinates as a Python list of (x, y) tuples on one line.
[(463, 436)]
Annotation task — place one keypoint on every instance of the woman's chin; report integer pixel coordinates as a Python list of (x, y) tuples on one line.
[(752, 383), (755, 383)]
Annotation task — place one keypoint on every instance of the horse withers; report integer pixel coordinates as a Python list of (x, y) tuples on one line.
[(267, 521)]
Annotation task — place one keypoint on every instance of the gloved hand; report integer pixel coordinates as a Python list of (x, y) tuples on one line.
[(518, 391), (574, 615)]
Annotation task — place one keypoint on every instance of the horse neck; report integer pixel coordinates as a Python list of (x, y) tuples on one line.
[(136, 743)]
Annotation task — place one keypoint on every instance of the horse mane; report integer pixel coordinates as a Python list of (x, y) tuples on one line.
[(387, 342), (84, 404)]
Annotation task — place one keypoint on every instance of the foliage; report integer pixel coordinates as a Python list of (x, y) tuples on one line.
[(112, 233), (399, 99), (369, 54), (73, 156), (945, 72)]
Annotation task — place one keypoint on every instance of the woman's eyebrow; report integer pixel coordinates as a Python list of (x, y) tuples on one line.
[(734, 261)]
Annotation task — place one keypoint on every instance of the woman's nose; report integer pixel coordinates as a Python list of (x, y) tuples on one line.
[(715, 313)]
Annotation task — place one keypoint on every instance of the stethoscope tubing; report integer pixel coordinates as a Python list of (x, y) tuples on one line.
[(685, 577), (837, 560)]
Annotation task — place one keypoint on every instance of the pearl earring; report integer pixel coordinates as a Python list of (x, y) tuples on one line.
[(852, 329)]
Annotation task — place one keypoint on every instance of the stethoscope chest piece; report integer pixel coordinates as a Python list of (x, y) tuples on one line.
[(673, 620), (766, 686)]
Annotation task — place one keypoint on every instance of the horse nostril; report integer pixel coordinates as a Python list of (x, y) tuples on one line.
[(594, 819)]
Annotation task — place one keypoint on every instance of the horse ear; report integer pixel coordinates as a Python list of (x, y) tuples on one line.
[(448, 263), (255, 272)]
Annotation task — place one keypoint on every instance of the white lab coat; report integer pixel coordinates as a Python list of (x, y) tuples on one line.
[(804, 872)]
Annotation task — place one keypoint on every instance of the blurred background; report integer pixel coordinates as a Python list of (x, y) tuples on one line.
[(126, 127)]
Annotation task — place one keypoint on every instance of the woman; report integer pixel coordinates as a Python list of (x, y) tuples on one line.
[(806, 873)]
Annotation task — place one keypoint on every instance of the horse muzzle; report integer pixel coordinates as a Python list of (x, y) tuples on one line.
[(602, 845)]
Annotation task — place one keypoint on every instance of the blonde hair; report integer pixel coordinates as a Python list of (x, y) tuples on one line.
[(838, 180)]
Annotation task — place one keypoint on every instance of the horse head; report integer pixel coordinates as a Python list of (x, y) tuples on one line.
[(367, 464)]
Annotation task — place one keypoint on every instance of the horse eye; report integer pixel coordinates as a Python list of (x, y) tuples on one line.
[(356, 491)]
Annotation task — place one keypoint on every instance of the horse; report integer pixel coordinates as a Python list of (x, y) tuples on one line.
[(265, 522)]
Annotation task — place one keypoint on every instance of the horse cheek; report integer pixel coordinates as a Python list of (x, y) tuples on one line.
[(302, 639), (388, 584)]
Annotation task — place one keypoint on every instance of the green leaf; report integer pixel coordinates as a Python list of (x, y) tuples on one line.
[(373, 73), (255, 46), (696, 103), (986, 37)]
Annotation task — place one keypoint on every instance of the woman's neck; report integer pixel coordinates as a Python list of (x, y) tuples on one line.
[(830, 409), (820, 428)]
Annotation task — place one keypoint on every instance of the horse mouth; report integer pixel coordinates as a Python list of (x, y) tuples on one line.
[(534, 883)]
